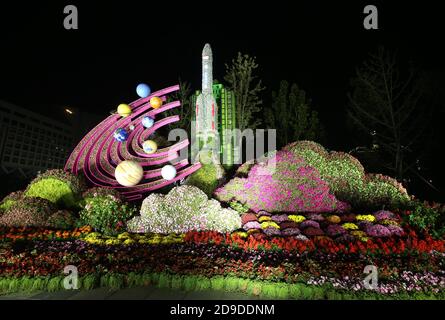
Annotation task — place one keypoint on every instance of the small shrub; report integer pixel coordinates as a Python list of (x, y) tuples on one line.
[(28, 212), (106, 215), (347, 178), (62, 219), (10, 200), (427, 218), (207, 178), (59, 187)]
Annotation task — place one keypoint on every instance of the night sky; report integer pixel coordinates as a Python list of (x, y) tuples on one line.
[(316, 44)]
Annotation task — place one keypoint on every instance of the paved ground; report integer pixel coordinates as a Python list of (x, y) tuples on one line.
[(137, 293)]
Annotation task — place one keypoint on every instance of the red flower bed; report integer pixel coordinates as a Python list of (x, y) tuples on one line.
[(410, 243)]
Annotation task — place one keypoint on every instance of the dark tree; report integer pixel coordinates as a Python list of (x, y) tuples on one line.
[(292, 116), (388, 103), (241, 78)]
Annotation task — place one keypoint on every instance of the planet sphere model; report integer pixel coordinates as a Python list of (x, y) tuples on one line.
[(124, 110), (156, 102), (143, 90), (149, 146), (120, 135), (129, 173), (168, 172), (148, 122)]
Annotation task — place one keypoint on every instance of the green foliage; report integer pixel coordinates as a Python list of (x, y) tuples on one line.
[(55, 284), (264, 289), (10, 200), (427, 218), (113, 281), (239, 207), (241, 79), (217, 282), (62, 219), (6, 204), (53, 190), (106, 214), (59, 187), (206, 178), (292, 116), (347, 178), (185, 111), (28, 212)]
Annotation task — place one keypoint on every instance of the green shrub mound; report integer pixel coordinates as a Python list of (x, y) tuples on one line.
[(10, 200), (28, 212), (183, 209), (209, 176), (106, 214), (58, 186), (62, 219), (348, 180)]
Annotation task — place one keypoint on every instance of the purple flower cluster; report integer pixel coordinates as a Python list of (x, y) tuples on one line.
[(335, 230), (290, 232), (384, 215), (252, 225), (272, 231), (280, 218), (378, 231), (315, 216), (309, 224)]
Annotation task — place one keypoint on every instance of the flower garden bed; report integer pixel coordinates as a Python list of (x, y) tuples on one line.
[(307, 231), (272, 267)]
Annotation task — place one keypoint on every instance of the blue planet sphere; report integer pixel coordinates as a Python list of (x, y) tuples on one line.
[(143, 90), (120, 135), (148, 122)]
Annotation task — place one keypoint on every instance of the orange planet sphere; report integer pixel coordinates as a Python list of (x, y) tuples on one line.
[(155, 102)]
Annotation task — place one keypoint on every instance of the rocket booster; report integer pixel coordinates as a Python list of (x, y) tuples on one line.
[(206, 108)]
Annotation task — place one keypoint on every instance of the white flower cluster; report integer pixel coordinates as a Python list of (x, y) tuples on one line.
[(183, 209)]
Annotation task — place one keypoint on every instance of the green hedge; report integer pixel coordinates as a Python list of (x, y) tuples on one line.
[(263, 289)]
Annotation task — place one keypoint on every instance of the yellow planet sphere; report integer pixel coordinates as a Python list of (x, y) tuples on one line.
[(124, 110), (149, 146), (155, 102), (129, 173)]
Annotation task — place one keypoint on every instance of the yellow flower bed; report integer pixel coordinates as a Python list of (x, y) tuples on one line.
[(132, 238), (365, 217), (389, 222), (361, 235), (296, 218), (268, 224), (264, 219), (350, 226), (241, 234)]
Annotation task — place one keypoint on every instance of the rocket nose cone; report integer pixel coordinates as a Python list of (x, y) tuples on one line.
[(207, 50)]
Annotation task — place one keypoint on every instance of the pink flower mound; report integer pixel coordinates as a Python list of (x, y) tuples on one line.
[(284, 183)]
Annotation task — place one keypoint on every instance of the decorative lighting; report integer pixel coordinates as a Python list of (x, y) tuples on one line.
[(69, 111)]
